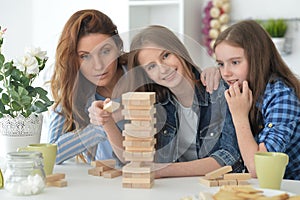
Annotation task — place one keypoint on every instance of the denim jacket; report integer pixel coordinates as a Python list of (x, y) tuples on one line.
[(215, 135)]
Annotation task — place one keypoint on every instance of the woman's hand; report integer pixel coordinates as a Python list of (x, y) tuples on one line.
[(239, 102), (210, 77), (97, 115)]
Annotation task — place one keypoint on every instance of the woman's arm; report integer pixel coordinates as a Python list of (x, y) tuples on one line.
[(239, 104), (102, 118), (198, 167), (70, 144)]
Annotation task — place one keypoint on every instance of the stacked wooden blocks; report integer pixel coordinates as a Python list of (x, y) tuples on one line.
[(56, 180), (139, 139), (104, 168), (220, 177)]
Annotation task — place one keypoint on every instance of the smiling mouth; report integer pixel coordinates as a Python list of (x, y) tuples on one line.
[(231, 82), (170, 76)]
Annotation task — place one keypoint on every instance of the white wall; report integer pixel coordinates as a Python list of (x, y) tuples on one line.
[(264, 9), (40, 22)]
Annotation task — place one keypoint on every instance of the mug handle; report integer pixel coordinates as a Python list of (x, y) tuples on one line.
[(22, 149)]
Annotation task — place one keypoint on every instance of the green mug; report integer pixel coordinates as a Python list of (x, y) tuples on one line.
[(49, 154), (270, 168)]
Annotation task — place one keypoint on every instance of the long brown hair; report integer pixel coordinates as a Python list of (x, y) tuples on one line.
[(64, 82), (165, 39), (264, 61)]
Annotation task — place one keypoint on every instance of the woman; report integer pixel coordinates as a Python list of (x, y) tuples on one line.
[(88, 65), (263, 97), (196, 134)]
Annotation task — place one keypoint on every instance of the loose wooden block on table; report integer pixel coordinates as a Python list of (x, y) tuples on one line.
[(55, 177), (219, 172), (112, 173), (109, 163), (237, 176), (59, 183)]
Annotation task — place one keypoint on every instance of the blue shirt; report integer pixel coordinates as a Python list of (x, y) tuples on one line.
[(70, 144), (91, 140), (215, 135), (281, 124)]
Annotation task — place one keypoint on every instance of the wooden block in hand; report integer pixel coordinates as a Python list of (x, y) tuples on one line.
[(111, 106), (219, 172)]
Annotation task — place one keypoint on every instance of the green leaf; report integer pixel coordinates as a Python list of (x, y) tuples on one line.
[(39, 107), (2, 60), (5, 99), (16, 106)]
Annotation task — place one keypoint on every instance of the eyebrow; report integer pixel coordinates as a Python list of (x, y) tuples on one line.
[(163, 51), (104, 46)]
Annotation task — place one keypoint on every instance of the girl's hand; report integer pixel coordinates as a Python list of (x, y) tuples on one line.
[(97, 115), (210, 77), (239, 102)]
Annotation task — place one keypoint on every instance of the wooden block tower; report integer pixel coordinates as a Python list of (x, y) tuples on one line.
[(139, 139)]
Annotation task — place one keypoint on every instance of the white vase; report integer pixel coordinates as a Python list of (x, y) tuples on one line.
[(19, 132), (279, 43)]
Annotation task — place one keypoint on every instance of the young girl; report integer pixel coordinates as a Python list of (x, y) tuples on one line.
[(88, 65), (263, 96), (195, 131)]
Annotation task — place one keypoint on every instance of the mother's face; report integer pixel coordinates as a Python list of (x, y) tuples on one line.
[(98, 55)]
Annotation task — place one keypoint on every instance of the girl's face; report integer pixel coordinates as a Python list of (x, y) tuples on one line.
[(98, 55), (232, 62), (163, 67)]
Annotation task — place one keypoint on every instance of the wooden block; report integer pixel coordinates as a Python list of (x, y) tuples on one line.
[(139, 114), (140, 134), (151, 122), (140, 149), (227, 182), (208, 183), (132, 169), (139, 175), (138, 156), (59, 183), (139, 143), (243, 182), (132, 127), (219, 172), (138, 185), (109, 163), (138, 98), (132, 138), (136, 180), (96, 171), (111, 106), (132, 105), (55, 177), (112, 173), (237, 176)]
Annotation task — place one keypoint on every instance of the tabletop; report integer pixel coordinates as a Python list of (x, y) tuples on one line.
[(82, 185)]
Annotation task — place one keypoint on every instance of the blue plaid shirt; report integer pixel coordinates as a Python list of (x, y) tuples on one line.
[(281, 124)]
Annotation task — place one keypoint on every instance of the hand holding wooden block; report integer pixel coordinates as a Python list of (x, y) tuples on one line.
[(111, 106)]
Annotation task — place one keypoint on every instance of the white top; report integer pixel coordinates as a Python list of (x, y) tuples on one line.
[(187, 132)]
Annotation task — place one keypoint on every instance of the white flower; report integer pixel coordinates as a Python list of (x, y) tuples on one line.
[(28, 64), (36, 52)]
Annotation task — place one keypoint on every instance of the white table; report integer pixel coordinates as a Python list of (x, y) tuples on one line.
[(83, 186)]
